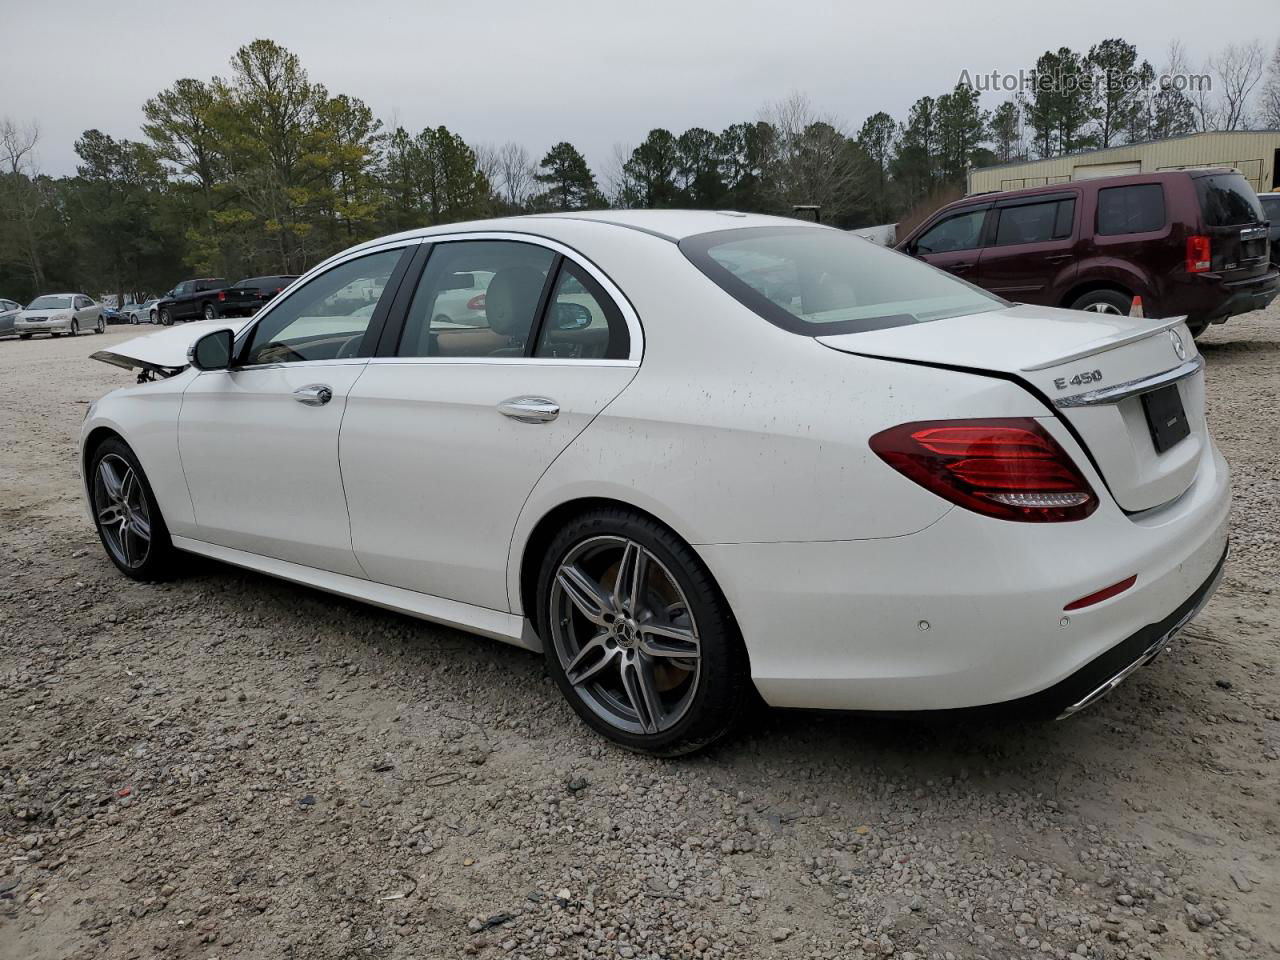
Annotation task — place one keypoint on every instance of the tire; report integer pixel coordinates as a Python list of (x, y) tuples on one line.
[(209, 311), (101, 327), (75, 329), (166, 318), (55, 335), (1104, 301), (24, 336), (150, 558), (151, 318), (1197, 327), (698, 697)]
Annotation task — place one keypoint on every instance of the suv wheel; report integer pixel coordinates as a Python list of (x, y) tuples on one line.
[(637, 635), (166, 318), (1104, 301), (210, 313)]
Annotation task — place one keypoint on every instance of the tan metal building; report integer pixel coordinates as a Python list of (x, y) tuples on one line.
[(1255, 153)]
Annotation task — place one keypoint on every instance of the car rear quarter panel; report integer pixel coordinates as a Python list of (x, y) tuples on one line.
[(736, 431)]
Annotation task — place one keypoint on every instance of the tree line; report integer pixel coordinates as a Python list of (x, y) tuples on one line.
[(266, 171)]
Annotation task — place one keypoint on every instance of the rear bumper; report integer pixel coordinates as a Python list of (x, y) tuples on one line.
[(1211, 299), (970, 611)]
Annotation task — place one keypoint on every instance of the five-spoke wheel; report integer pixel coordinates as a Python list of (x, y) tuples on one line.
[(126, 514)]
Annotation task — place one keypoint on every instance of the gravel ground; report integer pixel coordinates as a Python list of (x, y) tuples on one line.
[(230, 766)]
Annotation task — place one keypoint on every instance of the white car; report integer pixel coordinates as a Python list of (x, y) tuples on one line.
[(144, 312), (9, 311), (767, 456), (59, 313)]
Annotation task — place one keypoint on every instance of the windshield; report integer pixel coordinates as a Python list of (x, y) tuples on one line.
[(817, 281), (50, 303)]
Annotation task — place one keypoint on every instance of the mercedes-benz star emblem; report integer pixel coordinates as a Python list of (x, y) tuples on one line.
[(1178, 346)]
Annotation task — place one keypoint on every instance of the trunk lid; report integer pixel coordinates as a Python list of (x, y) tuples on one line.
[(165, 352), (1092, 368)]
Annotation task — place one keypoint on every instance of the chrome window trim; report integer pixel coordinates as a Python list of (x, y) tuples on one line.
[(505, 361), (1131, 388), (323, 267), (629, 315)]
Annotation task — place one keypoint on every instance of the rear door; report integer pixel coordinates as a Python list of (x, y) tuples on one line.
[(954, 242), (450, 427), (1029, 253)]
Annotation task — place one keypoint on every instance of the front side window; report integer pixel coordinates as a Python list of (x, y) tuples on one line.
[(961, 232), (476, 298), (1135, 209), (326, 318), (817, 281), (1035, 222)]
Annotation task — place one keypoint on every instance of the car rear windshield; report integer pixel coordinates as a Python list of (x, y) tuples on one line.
[(49, 303), (1226, 199), (818, 281)]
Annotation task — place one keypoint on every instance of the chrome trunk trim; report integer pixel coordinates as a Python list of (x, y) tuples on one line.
[(1122, 391)]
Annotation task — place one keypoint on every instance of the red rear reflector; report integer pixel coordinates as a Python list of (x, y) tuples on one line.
[(476, 302), (1106, 593), (1008, 468), (1198, 254)]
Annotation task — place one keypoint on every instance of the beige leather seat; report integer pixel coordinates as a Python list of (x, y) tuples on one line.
[(510, 304)]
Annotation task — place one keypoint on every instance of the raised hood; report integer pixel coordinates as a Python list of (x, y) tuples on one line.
[(1092, 368), (165, 352)]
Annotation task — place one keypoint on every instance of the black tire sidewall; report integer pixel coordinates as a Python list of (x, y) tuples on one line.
[(159, 564), (724, 683)]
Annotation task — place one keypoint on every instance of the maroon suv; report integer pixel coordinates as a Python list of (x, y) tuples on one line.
[(1190, 242)]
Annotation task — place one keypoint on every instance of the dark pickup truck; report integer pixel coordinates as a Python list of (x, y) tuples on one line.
[(206, 298)]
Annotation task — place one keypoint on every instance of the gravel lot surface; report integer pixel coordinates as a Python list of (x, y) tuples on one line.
[(230, 766)]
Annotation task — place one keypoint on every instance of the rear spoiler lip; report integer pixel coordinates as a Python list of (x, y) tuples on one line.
[(1102, 346), (130, 363)]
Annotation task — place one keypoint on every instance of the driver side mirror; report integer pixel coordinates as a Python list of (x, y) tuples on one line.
[(572, 316), (212, 351)]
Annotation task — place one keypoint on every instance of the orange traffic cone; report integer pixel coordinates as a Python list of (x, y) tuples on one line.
[(1135, 308)]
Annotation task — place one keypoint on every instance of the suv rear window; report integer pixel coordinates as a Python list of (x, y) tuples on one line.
[(1133, 209), (1226, 199), (817, 281)]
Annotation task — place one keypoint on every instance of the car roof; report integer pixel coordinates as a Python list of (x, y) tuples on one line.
[(671, 225)]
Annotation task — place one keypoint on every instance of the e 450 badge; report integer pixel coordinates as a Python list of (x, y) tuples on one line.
[(1079, 380)]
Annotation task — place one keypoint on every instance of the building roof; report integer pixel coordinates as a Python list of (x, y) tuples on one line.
[(1126, 146)]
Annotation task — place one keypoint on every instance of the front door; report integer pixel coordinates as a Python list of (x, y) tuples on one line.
[(446, 436), (953, 243), (259, 442)]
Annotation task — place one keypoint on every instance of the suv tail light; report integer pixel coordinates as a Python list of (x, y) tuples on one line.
[(222, 295), (1007, 468), (1198, 254), (476, 302)]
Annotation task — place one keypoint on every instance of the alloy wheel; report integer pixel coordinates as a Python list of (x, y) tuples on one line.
[(625, 634), (1102, 307), (120, 505)]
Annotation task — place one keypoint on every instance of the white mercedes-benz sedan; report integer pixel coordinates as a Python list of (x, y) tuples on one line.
[(690, 456)]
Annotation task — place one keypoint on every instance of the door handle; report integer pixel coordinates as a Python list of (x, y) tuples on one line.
[(313, 394), (530, 409), (1058, 257), (959, 267)]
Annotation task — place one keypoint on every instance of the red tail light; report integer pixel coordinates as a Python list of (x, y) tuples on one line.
[(222, 294), (1198, 254), (476, 302), (1011, 469)]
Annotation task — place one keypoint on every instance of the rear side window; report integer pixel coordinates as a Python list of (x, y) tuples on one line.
[(1271, 207), (1035, 222), (816, 281), (1133, 209), (1227, 200)]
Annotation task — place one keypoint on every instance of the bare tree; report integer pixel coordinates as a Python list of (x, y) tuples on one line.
[(817, 160), (488, 163), (1269, 109), (516, 171), (619, 186), (1236, 71), (21, 197)]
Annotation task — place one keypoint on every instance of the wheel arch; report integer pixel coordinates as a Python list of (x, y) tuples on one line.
[(541, 534)]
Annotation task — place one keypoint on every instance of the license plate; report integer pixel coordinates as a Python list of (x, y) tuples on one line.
[(1165, 416)]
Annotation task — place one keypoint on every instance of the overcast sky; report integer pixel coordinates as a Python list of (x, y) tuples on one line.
[(594, 72)]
